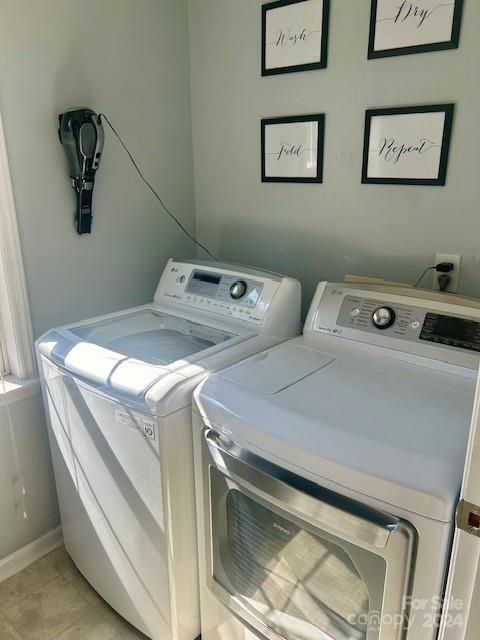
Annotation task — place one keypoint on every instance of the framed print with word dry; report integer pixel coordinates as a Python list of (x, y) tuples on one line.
[(399, 27)]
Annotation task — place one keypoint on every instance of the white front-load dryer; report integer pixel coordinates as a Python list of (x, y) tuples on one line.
[(117, 392), (328, 470)]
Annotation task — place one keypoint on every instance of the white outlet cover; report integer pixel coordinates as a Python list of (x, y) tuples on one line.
[(454, 275)]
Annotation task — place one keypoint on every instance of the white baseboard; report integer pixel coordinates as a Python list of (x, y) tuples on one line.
[(16, 562)]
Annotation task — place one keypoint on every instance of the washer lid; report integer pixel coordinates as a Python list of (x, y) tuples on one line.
[(151, 336), (130, 351), (383, 427)]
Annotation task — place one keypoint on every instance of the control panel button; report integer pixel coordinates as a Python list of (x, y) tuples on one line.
[(383, 317), (415, 324), (355, 312), (238, 289)]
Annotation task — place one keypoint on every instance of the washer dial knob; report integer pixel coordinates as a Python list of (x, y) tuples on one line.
[(238, 289), (383, 317)]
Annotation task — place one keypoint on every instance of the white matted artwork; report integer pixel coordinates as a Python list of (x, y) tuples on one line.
[(294, 35), (407, 145), (292, 148), (399, 27)]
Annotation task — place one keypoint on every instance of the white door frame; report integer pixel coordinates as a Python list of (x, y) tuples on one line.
[(17, 343), (461, 619)]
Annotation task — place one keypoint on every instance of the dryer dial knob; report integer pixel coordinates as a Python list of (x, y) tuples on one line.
[(383, 317), (238, 289)]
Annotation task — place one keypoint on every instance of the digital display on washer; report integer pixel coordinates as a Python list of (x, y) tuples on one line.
[(210, 278), (451, 331), (204, 283)]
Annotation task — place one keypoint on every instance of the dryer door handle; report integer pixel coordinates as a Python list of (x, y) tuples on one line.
[(323, 508)]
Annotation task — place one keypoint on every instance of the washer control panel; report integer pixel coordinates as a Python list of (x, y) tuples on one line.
[(225, 287), (243, 295), (420, 322)]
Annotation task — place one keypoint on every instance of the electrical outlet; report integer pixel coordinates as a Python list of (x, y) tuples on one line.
[(454, 275)]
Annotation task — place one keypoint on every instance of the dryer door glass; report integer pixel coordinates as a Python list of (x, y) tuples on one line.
[(300, 581), (151, 336)]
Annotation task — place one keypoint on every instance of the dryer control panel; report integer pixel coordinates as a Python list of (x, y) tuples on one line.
[(244, 294), (409, 322), (436, 325)]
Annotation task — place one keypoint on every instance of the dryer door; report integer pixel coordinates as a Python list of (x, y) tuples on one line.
[(297, 562)]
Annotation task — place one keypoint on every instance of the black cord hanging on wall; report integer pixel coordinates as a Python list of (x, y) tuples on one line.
[(81, 133)]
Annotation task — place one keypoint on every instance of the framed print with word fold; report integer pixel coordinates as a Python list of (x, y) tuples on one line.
[(292, 148), (399, 27), (407, 145), (294, 36)]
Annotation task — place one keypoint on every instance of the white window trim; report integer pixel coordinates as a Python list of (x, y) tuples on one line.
[(14, 308)]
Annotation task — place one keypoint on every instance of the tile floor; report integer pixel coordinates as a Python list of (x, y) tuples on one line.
[(50, 600)]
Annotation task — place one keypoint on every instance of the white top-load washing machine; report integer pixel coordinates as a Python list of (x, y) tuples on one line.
[(118, 391), (328, 470)]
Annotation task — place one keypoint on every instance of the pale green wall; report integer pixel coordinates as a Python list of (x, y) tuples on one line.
[(323, 231), (128, 58), (25, 458)]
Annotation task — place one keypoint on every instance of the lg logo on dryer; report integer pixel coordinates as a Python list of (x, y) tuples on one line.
[(282, 530)]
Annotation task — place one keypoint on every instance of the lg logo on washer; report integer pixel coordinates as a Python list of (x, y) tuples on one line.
[(149, 429), (140, 423)]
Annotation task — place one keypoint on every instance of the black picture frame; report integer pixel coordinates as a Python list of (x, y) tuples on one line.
[(440, 181), (453, 43), (317, 117), (323, 53)]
